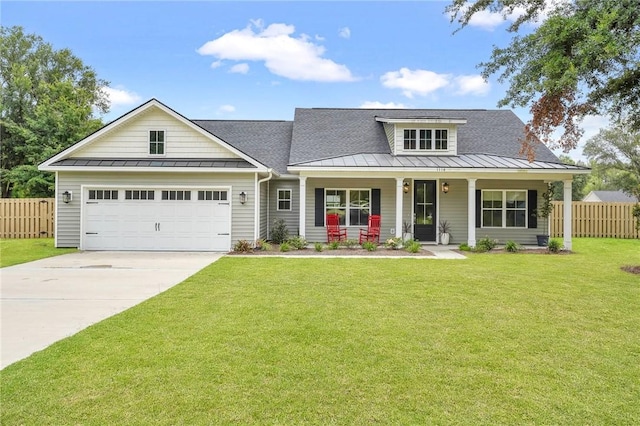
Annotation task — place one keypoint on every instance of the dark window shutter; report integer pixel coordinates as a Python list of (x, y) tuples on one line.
[(319, 206), (375, 201), (478, 208), (532, 205)]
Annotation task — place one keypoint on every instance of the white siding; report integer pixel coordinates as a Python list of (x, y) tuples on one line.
[(68, 225), (452, 142), (131, 140)]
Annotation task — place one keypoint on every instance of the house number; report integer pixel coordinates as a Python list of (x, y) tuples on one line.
[(441, 169)]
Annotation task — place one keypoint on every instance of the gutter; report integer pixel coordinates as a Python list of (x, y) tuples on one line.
[(256, 214)]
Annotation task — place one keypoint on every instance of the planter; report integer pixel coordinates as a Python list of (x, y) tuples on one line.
[(407, 236), (543, 240), (444, 238)]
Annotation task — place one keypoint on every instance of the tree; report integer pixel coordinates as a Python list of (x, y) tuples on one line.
[(577, 187), (583, 59), (47, 102), (616, 154)]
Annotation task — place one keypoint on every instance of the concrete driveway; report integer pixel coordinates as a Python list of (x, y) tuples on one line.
[(47, 300)]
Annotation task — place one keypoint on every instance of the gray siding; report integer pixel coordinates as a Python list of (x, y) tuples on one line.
[(387, 206), (291, 218), (68, 225), (453, 209)]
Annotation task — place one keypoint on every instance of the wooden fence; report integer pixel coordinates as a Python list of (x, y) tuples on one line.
[(26, 217), (600, 220)]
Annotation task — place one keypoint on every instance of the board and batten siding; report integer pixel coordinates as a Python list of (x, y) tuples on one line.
[(387, 206), (291, 218), (131, 140), (68, 224)]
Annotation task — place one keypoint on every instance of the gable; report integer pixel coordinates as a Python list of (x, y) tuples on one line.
[(131, 139)]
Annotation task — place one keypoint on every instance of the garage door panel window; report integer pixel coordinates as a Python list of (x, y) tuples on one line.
[(212, 196), (176, 195), (135, 194), (103, 194)]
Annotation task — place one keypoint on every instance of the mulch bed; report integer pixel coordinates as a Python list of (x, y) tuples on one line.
[(632, 269), (356, 251)]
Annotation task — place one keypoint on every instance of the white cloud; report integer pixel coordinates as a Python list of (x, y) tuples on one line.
[(216, 64), (242, 68), (282, 54), (412, 82), (345, 32), (380, 105), (226, 108), (472, 84), (121, 97), (490, 20)]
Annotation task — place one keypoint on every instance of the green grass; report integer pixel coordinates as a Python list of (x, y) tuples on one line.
[(15, 251), (494, 339)]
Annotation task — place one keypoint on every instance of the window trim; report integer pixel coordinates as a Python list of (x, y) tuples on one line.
[(504, 208), (431, 141), (290, 200), (164, 143), (348, 208)]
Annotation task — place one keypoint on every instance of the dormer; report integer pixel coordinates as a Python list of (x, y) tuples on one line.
[(422, 135)]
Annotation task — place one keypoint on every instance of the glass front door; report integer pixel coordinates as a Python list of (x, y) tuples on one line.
[(424, 195)]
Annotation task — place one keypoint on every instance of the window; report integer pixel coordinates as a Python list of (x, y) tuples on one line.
[(176, 195), (426, 139), (103, 194), (212, 195), (137, 194), (156, 142), (284, 199), (352, 205), (504, 209)]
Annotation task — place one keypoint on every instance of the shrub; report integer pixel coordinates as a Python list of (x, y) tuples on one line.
[(297, 242), (279, 232), (350, 243), (369, 246), (242, 246), (318, 246), (262, 245), (485, 244), (334, 245), (393, 243), (512, 246), (464, 247), (413, 246), (284, 247), (554, 246)]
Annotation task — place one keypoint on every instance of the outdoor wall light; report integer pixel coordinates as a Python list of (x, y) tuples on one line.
[(67, 196), (405, 187), (445, 187), (243, 197)]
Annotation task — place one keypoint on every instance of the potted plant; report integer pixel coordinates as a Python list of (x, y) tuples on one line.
[(407, 235), (544, 211), (444, 228)]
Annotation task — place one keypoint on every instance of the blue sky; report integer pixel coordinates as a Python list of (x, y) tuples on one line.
[(261, 60)]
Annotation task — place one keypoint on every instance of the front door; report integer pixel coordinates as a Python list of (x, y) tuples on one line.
[(424, 195)]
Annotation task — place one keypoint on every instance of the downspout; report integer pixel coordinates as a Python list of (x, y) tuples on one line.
[(256, 214)]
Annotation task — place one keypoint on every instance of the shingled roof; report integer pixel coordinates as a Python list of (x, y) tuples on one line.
[(320, 133)]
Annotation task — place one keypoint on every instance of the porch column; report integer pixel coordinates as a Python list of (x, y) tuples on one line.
[(566, 228), (471, 212), (399, 195), (303, 206)]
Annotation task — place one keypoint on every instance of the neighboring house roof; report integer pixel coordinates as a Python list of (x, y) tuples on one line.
[(320, 133), (267, 141), (609, 197)]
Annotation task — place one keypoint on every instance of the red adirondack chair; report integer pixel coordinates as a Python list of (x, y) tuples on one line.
[(372, 233), (334, 231)]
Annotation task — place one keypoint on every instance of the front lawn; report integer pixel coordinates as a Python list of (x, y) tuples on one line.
[(494, 339), (15, 251)]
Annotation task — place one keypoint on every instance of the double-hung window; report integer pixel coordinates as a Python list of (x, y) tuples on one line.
[(156, 142), (284, 199), (352, 205), (426, 139), (504, 209)]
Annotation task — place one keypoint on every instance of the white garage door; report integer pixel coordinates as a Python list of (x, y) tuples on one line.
[(156, 219)]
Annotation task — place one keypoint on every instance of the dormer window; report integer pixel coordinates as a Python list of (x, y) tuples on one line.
[(426, 139), (156, 142)]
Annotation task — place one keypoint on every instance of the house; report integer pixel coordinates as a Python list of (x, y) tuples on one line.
[(609, 197), (156, 180)]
